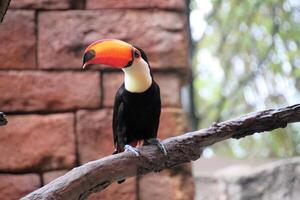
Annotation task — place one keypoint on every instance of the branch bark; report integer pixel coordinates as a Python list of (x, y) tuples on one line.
[(3, 8), (94, 176)]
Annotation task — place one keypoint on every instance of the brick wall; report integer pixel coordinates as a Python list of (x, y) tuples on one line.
[(59, 115)]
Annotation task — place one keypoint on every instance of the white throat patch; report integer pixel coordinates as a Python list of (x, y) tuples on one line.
[(137, 76)]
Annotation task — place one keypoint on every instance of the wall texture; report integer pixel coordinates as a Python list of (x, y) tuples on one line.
[(59, 115)]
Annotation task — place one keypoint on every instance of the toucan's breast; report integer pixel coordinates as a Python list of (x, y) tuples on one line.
[(137, 77), (138, 118)]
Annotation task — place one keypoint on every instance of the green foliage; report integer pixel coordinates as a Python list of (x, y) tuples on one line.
[(247, 58)]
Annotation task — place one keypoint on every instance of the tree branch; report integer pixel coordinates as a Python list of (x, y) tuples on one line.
[(3, 120), (97, 175), (3, 8)]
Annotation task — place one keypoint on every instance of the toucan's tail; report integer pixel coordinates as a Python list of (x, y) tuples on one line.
[(121, 181)]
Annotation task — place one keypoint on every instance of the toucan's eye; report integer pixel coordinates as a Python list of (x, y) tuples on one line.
[(136, 53)]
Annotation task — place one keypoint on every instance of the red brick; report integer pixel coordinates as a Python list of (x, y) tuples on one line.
[(50, 176), (173, 122), (156, 186), (94, 134), (124, 191), (165, 41), (37, 142), (165, 4), (18, 40), (40, 4), (169, 88), (14, 187), (110, 84), (51, 91), (167, 185)]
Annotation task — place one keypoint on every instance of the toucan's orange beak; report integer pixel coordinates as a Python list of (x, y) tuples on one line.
[(114, 53)]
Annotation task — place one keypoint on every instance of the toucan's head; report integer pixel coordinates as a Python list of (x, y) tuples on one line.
[(118, 54), (112, 52)]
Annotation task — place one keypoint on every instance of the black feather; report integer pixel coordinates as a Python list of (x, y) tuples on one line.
[(136, 115)]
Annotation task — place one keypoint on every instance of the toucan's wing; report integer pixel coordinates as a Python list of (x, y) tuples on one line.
[(157, 109), (119, 127)]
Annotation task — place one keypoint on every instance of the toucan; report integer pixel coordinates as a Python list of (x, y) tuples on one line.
[(137, 104)]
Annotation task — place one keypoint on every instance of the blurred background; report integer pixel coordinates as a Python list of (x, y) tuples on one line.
[(213, 59), (246, 58)]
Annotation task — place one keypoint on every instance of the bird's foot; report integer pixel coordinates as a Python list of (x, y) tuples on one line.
[(132, 149), (115, 152), (155, 141)]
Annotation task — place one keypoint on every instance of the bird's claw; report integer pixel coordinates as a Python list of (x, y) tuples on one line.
[(131, 149), (155, 141)]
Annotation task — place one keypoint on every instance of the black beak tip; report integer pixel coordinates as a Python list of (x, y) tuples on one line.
[(89, 55)]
